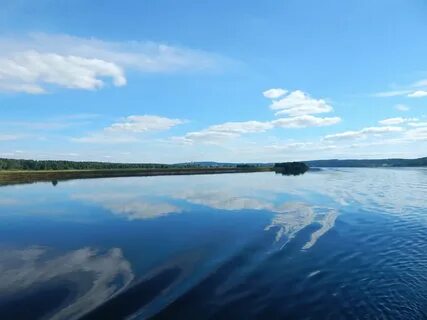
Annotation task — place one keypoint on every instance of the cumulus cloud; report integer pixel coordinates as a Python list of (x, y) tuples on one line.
[(30, 71), (305, 121), (363, 133), (299, 103), (274, 93), (30, 64), (395, 121)]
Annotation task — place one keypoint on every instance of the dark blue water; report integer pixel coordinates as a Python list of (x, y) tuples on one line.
[(332, 244)]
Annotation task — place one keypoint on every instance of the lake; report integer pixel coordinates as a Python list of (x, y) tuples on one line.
[(329, 244)]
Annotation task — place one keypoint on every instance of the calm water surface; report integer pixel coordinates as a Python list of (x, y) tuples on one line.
[(332, 244)]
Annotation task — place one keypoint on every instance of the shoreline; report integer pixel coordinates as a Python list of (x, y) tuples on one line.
[(10, 177)]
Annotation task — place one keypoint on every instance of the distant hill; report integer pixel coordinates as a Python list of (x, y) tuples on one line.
[(364, 163)]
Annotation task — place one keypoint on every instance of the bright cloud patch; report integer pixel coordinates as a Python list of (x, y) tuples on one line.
[(241, 127), (274, 93), (418, 94), (226, 131), (299, 107), (414, 90), (144, 123), (417, 134), (127, 130), (397, 120), (30, 71), (31, 63), (363, 133), (299, 103), (219, 133), (305, 121)]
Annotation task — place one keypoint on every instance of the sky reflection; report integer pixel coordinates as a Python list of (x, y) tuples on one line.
[(81, 243)]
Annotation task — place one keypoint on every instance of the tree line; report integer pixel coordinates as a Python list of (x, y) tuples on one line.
[(20, 164)]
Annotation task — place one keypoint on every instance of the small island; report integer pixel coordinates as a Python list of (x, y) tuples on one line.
[(290, 168)]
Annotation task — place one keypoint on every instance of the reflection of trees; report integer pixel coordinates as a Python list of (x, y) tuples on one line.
[(93, 277)]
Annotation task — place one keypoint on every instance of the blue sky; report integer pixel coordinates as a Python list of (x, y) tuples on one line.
[(168, 81)]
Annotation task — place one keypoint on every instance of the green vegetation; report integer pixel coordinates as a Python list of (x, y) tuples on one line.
[(14, 171), (20, 164), (14, 176), (290, 168)]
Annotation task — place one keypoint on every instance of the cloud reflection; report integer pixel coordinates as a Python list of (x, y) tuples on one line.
[(132, 206), (136, 199), (289, 218), (23, 270)]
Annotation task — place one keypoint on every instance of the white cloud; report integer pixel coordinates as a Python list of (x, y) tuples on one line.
[(418, 94), (417, 124), (274, 93), (379, 130), (226, 131), (302, 146), (105, 138), (395, 121), (28, 64), (51, 123), (127, 130), (30, 71), (363, 133), (393, 93), (344, 135), (305, 121), (417, 134), (299, 103), (241, 127), (401, 107), (414, 90), (144, 123), (221, 132)]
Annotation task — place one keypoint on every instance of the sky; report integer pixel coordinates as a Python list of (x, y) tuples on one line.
[(231, 81)]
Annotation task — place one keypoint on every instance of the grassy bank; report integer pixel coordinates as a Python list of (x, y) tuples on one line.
[(8, 177)]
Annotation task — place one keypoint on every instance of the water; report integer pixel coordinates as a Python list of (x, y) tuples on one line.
[(332, 244)]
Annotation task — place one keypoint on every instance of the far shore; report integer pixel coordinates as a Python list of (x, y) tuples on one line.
[(8, 177)]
